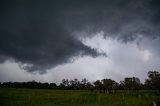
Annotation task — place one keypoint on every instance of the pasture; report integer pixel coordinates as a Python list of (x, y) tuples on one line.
[(45, 97)]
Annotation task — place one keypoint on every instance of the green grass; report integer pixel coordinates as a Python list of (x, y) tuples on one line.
[(41, 97)]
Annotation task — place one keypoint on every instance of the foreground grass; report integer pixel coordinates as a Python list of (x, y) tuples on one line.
[(40, 97)]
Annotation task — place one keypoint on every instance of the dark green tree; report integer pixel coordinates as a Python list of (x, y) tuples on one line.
[(109, 85), (98, 85), (154, 80), (132, 83)]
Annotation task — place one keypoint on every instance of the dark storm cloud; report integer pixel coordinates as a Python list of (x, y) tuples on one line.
[(122, 18), (40, 35)]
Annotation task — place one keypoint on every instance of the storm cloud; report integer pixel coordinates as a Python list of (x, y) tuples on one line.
[(40, 35)]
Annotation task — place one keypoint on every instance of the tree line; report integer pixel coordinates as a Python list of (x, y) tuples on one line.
[(104, 85)]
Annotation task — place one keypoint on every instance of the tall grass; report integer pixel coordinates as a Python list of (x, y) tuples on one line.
[(41, 97)]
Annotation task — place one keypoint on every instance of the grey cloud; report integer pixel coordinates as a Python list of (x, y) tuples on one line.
[(42, 34), (35, 36), (118, 18)]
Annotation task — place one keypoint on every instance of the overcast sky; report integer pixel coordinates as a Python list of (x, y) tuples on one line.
[(50, 40)]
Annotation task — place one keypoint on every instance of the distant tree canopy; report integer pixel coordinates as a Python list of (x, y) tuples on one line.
[(104, 85), (153, 82), (132, 83)]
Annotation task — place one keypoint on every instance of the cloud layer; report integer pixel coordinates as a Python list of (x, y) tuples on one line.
[(40, 35)]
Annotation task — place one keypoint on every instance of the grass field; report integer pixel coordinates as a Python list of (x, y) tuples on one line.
[(41, 97)]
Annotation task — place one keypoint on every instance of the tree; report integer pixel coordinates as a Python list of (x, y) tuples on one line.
[(109, 85), (84, 83), (52, 86), (153, 74), (132, 83), (121, 85), (98, 85), (154, 80), (74, 84), (65, 83)]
